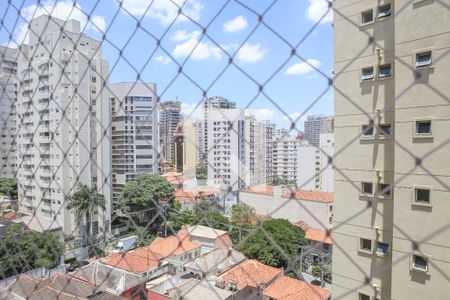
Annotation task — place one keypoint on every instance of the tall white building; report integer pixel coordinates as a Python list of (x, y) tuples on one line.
[(170, 116), (135, 141), (226, 150), (8, 90), (284, 157), (63, 127), (200, 138), (315, 126), (270, 128), (255, 151), (315, 171)]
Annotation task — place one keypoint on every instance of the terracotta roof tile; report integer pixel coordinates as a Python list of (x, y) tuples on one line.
[(10, 215), (287, 288), (250, 273), (315, 234), (172, 245), (135, 261), (288, 192)]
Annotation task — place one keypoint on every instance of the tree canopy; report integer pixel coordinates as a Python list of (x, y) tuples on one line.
[(8, 187), (242, 214), (284, 237), (144, 193), (23, 251)]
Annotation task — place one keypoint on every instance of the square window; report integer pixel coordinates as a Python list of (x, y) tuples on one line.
[(365, 245), (367, 188), (423, 127), (385, 130), (367, 16), (367, 131), (423, 59), (422, 195), (384, 190), (385, 71), (367, 73), (382, 249), (420, 263), (384, 11), (362, 296)]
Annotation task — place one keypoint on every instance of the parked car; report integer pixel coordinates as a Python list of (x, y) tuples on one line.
[(77, 264)]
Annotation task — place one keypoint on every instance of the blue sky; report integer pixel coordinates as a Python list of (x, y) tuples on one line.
[(293, 88)]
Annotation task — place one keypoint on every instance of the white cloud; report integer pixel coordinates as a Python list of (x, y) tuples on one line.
[(163, 59), (65, 10), (164, 11), (182, 35), (317, 8), (237, 24), (191, 112), (203, 50), (262, 114), (251, 53), (303, 67)]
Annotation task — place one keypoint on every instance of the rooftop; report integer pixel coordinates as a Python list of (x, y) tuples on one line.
[(317, 235), (250, 273), (292, 193), (287, 288), (174, 177), (194, 289), (202, 231), (136, 261), (192, 194), (217, 259)]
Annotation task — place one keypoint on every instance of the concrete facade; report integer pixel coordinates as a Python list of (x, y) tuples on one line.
[(64, 135), (399, 82), (135, 142), (317, 125), (170, 116)]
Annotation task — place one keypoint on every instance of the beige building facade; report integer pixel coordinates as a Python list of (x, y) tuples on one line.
[(392, 115)]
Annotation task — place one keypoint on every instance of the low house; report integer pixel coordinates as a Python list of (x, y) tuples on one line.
[(194, 289), (248, 279), (208, 237), (106, 277), (214, 262), (190, 198), (64, 287), (287, 288), (287, 202), (163, 254)]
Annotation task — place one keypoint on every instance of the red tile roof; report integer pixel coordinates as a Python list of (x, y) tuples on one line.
[(315, 234), (290, 192), (173, 177), (250, 273), (10, 215), (191, 195), (172, 245), (287, 288)]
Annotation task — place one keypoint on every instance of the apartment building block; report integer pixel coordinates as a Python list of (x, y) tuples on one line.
[(170, 116)]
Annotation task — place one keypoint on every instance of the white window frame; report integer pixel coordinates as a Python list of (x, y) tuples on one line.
[(361, 249), (382, 254), (414, 268), (365, 136), (365, 12), (382, 195), (362, 189), (380, 132), (383, 66), (361, 293), (414, 196), (366, 78), (428, 63), (423, 135), (385, 15)]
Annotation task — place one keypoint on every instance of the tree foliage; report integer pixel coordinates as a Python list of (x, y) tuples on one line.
[(284, 237), (242, 214), (201, 171), (23, 251), (144, 193), (8, 187)]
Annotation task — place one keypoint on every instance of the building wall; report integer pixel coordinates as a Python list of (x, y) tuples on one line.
[(59, 151), (315, 214), (8, 120), (315, 126), (170, 116), (255, 151), (134, 132), (418, 94), (284, 158)]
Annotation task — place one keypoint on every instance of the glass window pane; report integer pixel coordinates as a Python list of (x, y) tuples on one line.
[(423, 195), (367, 16), (385, 71), (423, 59), (382, 248), (384, 11), (367, 130), (367, 188), (423, 127), (367, 73), (385, 130), (366, 244), (420, 262)]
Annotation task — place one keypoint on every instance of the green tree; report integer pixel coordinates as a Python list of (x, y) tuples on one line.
[(8, 187), (23, 251), (83, 201), (201, 171), (178, 217), (242, 215), (144, 193), (215, 220), (206, 203), (277, 180), (284, 238)]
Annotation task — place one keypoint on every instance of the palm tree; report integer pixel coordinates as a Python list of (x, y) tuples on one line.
[(84, 200)]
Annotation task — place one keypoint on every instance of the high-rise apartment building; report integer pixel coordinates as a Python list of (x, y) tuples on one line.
[(226, 155), (392, 120), (8, 122), (186, 149), (170, 116), (255, 136), (200, 138), (315, 126), (284, 156), (315, 170), (210, 104), (135, 142), (270, 128), (63, 116)]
